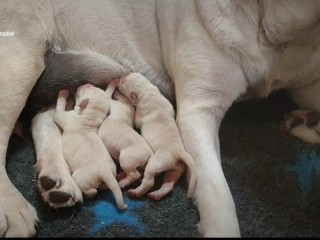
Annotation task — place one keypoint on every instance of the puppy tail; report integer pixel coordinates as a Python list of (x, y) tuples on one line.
[(114, 187), (186, 157)]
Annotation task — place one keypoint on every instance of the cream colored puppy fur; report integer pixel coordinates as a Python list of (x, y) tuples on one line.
[(203, 55), (90, 163), (121, 140), (155, 119)]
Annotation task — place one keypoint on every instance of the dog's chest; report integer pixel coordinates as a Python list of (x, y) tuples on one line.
[(296, 63)]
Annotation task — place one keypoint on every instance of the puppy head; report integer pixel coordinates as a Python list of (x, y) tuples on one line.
[(89, 97), (133, 86)]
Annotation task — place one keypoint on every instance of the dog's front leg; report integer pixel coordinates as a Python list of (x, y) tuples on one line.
[(201, 105), (199, 127), (21, 63), (55, 183)]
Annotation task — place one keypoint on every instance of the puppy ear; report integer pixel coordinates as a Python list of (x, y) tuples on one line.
[(84, 103), (133, 97)]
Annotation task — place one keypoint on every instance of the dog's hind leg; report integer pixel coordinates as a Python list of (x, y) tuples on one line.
[(55, 183), (21, 64)]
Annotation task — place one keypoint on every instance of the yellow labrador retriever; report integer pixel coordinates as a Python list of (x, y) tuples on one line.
[(203, 54)]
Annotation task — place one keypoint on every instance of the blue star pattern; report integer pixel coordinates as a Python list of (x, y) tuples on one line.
[(307, 163), (106, 213)]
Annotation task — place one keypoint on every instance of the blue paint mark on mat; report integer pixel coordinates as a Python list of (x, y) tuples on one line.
[(106, 213), (307, 164)]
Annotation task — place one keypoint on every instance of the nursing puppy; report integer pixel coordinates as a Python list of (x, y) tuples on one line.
[(121, 140), (155, 117), (89, 161)]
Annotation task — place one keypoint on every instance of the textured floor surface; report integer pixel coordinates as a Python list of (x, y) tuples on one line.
[(274, 179)]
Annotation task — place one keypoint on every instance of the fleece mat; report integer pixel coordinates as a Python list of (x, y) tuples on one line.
[(274, 179)]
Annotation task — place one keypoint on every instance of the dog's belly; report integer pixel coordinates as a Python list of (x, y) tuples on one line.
[(125, 31)]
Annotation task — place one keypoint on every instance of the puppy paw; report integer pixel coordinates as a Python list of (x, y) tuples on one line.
[(58, 188), (128, 179), (63, 93), (17, 217), (169, 180), (304, 125)]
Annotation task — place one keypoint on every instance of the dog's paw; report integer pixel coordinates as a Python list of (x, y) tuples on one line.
[(304, 125), (210, 229), (17, 217), (207, 231), (57, 187)]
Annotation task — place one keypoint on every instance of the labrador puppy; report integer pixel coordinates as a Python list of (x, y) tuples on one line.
[(121, 140), (155, 119), (90, 163), (202, 55)]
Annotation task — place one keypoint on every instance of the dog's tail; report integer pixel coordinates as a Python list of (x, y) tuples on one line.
[(112, 184), (188, 160)]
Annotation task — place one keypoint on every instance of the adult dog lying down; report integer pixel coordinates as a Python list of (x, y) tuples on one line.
[(203, 54)]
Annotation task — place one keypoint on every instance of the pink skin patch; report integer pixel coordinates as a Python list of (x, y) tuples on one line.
[(132, 193), (121, 176), (117, 81)]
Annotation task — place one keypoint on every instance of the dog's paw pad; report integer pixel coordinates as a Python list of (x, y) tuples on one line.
[(47, 183), (304, 125), (313, 119), (59, 197), (294, 119), (295, 122)]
